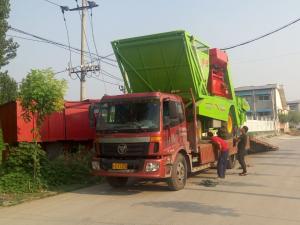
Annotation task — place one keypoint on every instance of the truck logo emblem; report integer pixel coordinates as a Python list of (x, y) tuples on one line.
[(122, 149)]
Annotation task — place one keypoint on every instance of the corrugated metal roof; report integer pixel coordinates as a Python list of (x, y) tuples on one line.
[(248, 88)]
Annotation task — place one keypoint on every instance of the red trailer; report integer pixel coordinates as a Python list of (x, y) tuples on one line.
[(61, 130)]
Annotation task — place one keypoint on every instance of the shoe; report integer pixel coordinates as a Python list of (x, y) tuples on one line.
[(243, 174)]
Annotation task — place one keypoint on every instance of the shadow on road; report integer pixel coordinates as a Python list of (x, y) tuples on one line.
[(247, 193), (229, 183), (278, 164), (133, 188), (191, 207)]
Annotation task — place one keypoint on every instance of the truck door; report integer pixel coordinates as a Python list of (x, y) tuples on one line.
[(173, 119)]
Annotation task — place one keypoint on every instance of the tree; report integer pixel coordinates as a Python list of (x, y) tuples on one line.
[(8, 88), (294, 117), (41, 94), (283, 118), (8, 47)]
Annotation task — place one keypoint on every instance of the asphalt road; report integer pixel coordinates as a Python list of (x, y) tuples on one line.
[(270, 194)]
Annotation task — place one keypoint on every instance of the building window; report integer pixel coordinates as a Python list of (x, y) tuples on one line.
[(263, 97), (264, 113)]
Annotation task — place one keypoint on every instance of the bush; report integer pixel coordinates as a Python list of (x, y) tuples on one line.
[(74, 169), (29, 170), (1, 145), (21, 172), (18, 182)]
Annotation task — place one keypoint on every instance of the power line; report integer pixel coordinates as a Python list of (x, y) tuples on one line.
[(53, 3), (110, 75), (97, 78), (263, 36), (103, 58), (68, 36), (84, 32), (95, 46), (24, 38)]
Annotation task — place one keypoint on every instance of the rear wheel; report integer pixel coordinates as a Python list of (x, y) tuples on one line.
[(117, 182), (178, 177)]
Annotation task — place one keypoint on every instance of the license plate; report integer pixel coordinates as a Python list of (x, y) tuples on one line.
[(119, 166)]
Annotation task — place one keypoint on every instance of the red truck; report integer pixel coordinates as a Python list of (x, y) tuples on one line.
[(177, 90)]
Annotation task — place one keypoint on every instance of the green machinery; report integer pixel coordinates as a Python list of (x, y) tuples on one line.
[(176, 62)]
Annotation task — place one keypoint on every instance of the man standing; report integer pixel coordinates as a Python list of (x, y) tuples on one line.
[(242, 142), (223, 148)]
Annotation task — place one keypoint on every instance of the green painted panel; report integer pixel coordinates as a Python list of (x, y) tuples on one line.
[(175, 62), (214, 107), (164, 62)]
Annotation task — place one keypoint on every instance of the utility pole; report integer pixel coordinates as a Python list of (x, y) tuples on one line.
[(83, 44), (84, 68)]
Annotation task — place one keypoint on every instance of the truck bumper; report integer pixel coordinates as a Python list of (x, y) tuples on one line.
[(163, 171)]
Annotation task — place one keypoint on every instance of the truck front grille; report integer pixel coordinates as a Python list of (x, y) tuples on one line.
[(117, 149)]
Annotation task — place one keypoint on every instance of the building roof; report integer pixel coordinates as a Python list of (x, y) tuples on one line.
[(248, 88), (293, 102)]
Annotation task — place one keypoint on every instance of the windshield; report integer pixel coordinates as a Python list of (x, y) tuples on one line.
[(129, 116)]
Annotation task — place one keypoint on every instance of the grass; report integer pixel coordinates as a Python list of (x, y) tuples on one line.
[(11, 199)]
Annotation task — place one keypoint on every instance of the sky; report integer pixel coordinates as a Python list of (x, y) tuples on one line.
[(218, 23)]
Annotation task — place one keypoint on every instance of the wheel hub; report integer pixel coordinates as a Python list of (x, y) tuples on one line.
[(180, 172)]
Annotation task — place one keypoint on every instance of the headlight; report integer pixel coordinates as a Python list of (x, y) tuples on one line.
[(152, 166), (96, 165)]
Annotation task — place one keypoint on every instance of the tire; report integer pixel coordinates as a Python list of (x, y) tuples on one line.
[(178, 177), (229, 125), (117, 182), (231, 162)]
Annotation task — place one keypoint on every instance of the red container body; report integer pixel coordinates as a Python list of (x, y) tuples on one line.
[(14, 128), (77, 121), (72, 124), (53, 128)]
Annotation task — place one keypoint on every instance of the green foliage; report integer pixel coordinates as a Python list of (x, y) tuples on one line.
[(292, 117), (283, 118), (8, 88), (41, 94), (7, 46), (28, 170), (22, 171), (1, 145), (74, 169), (1, 140), (18, 182)]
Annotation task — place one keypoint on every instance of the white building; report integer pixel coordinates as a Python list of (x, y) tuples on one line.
[(266, 103)]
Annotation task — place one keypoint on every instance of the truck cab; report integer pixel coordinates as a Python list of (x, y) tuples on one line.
[(147, 135), (137, 135)]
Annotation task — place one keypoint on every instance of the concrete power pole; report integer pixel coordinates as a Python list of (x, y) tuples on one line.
[(84, 68), (83, 44)]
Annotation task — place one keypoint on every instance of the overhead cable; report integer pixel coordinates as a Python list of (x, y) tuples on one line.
[(262, 36)]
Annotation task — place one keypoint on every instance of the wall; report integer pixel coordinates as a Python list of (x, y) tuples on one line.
[(260, 125)]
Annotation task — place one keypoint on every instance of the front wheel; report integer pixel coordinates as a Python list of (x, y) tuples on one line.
[(117, 182), (178, 177)]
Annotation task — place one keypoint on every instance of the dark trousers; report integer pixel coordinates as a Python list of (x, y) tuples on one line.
[(241, 158), (222, 163)]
